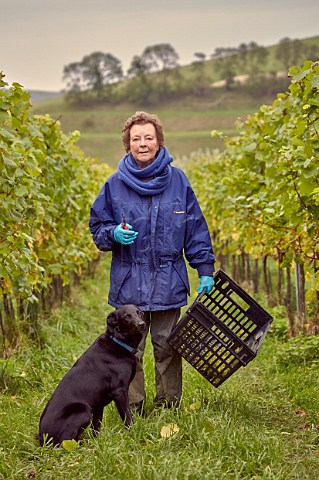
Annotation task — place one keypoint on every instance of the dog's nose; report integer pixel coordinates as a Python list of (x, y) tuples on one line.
[(141, 326)]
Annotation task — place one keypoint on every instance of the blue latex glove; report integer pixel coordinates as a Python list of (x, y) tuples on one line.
[(123, 235), (206, 282)]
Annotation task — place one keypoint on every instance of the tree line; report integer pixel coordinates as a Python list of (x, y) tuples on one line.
[(96, 76), (100, 77)]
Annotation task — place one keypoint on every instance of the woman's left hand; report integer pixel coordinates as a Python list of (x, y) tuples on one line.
[(207, 282)]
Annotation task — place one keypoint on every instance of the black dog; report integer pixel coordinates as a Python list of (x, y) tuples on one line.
[(102, 374)]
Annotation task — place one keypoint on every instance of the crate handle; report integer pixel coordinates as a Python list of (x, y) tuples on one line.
[(201, 294)]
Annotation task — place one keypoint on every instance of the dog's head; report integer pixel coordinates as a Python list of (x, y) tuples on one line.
[(127, 324)]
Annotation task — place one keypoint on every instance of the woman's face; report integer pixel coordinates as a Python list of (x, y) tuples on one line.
[(143, 144)]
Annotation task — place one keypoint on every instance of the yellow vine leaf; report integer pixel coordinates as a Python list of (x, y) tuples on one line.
[(69, 445), (195, 406), (169, 430)]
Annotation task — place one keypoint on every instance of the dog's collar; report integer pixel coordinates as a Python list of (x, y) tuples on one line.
[(125, 345)]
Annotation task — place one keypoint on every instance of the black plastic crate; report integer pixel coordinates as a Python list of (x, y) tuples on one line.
[(222, 331)]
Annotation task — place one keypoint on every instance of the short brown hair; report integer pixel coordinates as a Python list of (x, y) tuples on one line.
[(140, 118)]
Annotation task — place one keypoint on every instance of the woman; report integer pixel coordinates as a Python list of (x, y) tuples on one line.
[(164, 222)]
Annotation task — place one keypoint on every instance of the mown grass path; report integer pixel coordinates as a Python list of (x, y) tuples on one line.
[(262, 423)]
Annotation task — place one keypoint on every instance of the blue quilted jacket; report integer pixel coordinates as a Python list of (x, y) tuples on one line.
[(152, 272)]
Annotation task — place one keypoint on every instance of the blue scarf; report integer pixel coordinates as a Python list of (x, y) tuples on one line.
[(159, 173)]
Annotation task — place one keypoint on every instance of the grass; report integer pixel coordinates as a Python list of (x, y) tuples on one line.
[(248, 428)]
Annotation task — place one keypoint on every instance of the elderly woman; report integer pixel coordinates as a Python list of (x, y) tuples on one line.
[(164, 224)]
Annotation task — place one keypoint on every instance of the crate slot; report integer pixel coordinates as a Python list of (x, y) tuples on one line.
[(239, 301)]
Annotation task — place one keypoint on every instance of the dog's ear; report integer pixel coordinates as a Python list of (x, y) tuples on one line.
[(112, 322)]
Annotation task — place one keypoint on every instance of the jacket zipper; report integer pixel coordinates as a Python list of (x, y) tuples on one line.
[(151, 263)]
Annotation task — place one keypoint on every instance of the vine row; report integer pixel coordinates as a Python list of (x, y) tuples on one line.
[(260, 195), (47, 187)]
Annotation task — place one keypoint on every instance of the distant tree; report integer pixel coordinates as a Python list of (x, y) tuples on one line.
[(243, 48), (73, 75), (160, 57), (313, 53), (253, 45), (258, 57), (138, 67), (100, 69), (294, 52), (299, 52), (251, 58), (97, 71), (227, 70), (200, 56), (140, 87), (222, 52), (283, 52), (201, 80)]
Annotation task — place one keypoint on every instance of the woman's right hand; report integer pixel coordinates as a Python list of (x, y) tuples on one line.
[(125, 236)]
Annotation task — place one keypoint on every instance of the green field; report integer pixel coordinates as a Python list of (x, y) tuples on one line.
[(187, 124)]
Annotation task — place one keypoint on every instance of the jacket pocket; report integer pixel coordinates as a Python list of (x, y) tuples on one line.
[(174, 219), (119, 273), (181, 270)]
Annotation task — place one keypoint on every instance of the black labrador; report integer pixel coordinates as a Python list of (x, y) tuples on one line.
[(102, 374)]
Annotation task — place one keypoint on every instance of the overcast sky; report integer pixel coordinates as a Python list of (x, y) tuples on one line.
[(40, 37)]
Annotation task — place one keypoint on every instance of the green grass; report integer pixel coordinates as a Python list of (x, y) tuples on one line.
[(246, 429)]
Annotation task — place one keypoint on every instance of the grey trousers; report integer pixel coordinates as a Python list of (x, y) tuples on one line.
[(168, 363)]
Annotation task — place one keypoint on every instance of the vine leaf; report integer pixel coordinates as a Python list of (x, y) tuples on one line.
[(169, 430)]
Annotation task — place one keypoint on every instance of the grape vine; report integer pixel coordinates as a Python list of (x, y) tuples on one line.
[(47, 187), (261, 194)]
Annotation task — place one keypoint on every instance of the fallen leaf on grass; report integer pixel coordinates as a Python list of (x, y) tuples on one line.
[(302, 426), (195, 406), (69, 445), (169, 430), (208, 424), (301, 413)]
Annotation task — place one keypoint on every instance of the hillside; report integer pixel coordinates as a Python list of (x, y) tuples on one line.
[(188, 118), (38, 95)]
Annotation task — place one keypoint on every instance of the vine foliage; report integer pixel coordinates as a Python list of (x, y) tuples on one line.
[(261, 195), (47, 187)]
